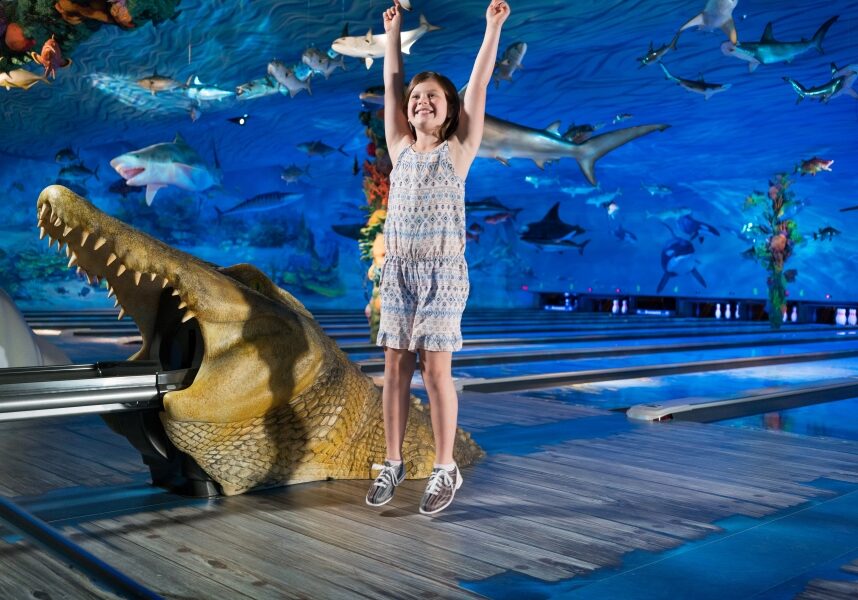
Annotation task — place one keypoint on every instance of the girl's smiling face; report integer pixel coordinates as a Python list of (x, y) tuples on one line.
[(427, 106)]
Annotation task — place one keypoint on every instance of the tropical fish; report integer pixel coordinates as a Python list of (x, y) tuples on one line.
[(698, 86), (840, 83), (716, 13), (694, 228), (825, 233), (552, 233), (196, 91), (373, 96), (158, 83), (261, 203), (502, 217), (320, 62), (814, 165), (293, 173), (168, 163), (369, 46), (657, 189), (66, 155), (21, 79), (677, 258), (318, 148), (257, 88), (511, 61), (51, 58), (578, 134), (768, 50), (654, 54), (77, 172), (287, 79)]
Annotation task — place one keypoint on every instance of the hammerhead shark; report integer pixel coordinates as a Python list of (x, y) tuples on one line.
[(696, 85), (768, 50), (716, 13), (840, 83), (169, 163), (371, 46), (504, 140)]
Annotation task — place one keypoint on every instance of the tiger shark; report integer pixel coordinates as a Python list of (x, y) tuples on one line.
[(768, 50), (369, 46), (504, 140), (168, 163)]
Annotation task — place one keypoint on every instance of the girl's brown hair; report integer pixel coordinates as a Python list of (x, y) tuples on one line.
[(451, 123)]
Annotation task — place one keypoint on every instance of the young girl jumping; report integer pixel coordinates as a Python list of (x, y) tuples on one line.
[(432, 137)]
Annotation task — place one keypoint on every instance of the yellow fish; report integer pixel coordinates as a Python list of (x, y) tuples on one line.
[(21, 79)]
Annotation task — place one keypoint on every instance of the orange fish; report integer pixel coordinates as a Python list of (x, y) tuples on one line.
[(814, 165), (15, 39), (51, 58)]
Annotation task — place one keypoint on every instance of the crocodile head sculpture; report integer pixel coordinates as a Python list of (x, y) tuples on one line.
[(274, 401)]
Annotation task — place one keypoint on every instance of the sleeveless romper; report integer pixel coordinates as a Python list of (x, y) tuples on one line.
[(424, 280)]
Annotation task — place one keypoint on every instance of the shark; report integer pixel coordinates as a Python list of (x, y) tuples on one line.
[(510, 62), (716, 14), (261, 203), (677, 258), (504, 140), (552, 233), (169, 163), (20, 79), (768, 50), (696, 85), (655, 54), (369, 46), (841, 82), (19, 345)]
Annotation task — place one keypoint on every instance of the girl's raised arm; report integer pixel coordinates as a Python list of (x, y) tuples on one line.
[(472, 116), (396, 130)]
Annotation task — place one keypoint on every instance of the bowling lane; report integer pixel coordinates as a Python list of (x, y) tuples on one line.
[(827, 420), (713, 385)]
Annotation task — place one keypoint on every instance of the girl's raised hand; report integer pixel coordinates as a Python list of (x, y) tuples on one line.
[(497, 12), (393, 18)]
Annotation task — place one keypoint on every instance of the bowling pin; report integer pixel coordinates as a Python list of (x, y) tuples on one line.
[(736, 316), (853, 317), (718, 311), (794, 315), (728, 312), (615, 307), (840, 317), (625, 307), (784, 310)]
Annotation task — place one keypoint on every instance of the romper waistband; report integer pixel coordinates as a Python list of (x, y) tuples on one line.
[(425, 259)]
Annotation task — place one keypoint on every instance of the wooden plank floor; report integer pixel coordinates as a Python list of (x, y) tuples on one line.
[(565, 491)]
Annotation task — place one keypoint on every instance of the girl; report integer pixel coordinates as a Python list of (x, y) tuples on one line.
[(432, 137)]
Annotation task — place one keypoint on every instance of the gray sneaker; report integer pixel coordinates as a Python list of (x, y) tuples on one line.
[(381, 490), (440, 490)]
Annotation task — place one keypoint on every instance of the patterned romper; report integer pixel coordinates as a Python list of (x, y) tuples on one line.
[(424, 281)]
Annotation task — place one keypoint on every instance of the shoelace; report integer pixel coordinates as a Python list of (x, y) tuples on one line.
[(387, 476), (437, 479)]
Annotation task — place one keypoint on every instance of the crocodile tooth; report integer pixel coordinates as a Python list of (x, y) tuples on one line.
[(43, 211), (116, 303), (68, 251), (99, 243), (188, 316), (42, 232), (78, 271), (58, 222), (183, 304), (72, 259), (60, 245), (121, 314), (110, 292), (166, 283), (84, 237), (51, 241), (152, 276), (175, 292), (120, 270), (67, 230), (137, 276), (110, 259)]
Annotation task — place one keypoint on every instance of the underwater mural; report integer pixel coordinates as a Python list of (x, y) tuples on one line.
[(622, 141)]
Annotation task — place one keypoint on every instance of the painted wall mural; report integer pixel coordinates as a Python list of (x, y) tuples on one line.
[(623, 143)]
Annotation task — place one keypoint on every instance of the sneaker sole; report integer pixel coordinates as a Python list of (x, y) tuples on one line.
[(437, 510)]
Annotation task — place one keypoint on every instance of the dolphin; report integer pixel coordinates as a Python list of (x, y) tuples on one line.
[(369, 46), (552, 233), (768, 50), (840, 83), (168, 163), (504, 140), (21, 79), (698, 86), (716, 13), (677, 258)]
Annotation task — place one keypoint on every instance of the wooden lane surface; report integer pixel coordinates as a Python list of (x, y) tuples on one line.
[(558, 510)]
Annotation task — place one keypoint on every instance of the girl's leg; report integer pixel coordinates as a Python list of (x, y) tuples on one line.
[(398, 370), (436, 369)]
